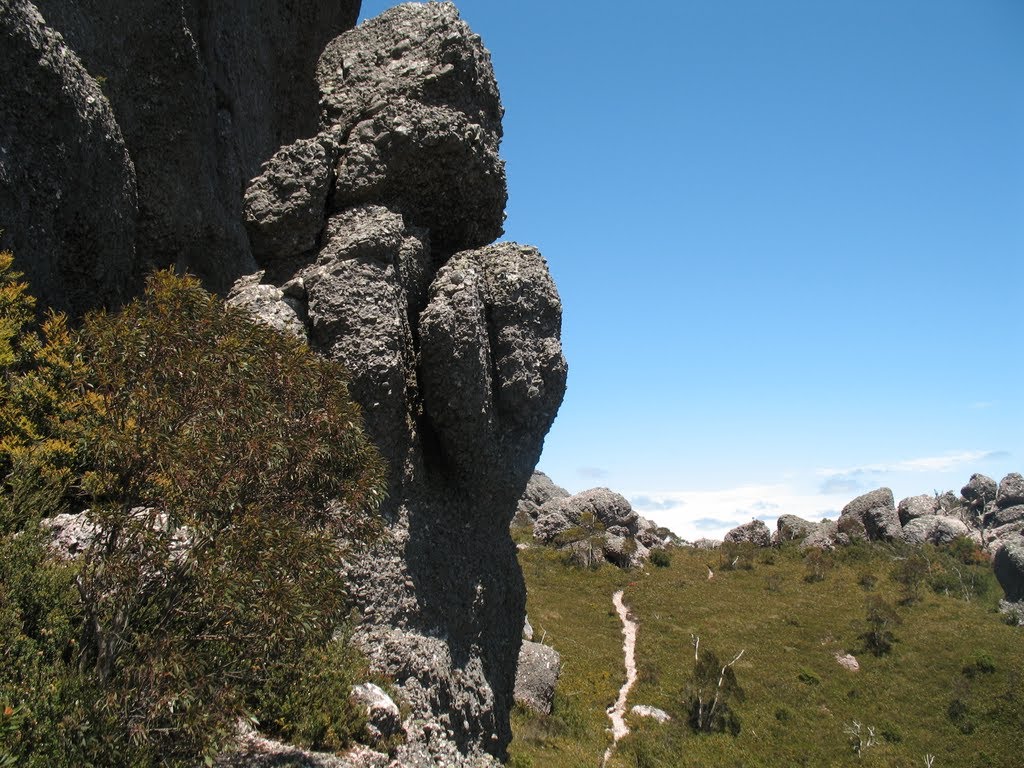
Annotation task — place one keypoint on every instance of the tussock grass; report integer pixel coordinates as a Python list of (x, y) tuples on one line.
[(952, 686)]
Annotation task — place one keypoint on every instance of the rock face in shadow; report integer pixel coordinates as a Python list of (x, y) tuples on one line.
[(67, 184), (373, 237), (187, 100)]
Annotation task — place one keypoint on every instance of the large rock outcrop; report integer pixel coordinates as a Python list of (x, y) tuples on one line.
[(129, 129), (373, 238)]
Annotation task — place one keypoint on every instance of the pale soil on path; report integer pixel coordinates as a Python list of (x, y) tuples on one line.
[(617, 712)]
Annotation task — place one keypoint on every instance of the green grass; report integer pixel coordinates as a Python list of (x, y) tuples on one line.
[(952, 686)]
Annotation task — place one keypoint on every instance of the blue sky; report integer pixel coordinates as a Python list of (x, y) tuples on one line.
[(788, 237)]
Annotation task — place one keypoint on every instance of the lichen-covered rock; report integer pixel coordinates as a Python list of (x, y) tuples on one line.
[(624, 552), (755, 532), (413, 93), (536, 676), (610, 509), (980, 490), (1008, 564), (914, 507), (1011, 491), (934, 529), (280, 308), (68, 196), (72, 534), (793, 528)]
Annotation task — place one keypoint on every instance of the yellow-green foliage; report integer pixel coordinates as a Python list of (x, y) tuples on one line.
[(224, 464), (950, 686)]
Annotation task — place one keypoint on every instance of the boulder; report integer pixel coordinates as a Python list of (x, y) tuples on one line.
[(1011, 491), (826, 535), (793, 528), (882, 524), (980, 490), (999, 516), (755, 532), (852, 520), (624, 552), (383, 718), (608, 508), (536, 676), (706, 544), (539, 491), (1008, 564), (413, 93), (934, 529), (914, 507)]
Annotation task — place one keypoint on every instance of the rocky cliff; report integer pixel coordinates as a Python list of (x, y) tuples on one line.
[(353, 199)]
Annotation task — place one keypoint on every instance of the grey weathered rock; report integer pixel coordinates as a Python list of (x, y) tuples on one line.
[(994, 536), (413, 94), (624, 552), (755, 532), (455, 358), (270, 304), (852, 519), (68, 198), (539, 490), (608, 508), (882, 524), (383, 718), (793, 528), (997, 517), (1008, 564), (643, 710), (980, 489), (72, 534), (202, 94), (527, 629), (1011, 491), (707, 544), (536, 676), (914, 507), (285, 206), (934, 529), (826, 535)]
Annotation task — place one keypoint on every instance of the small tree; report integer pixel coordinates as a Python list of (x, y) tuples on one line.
[(910, 573), (711, 691)]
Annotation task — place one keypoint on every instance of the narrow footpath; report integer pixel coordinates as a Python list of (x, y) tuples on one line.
[(617, 712)]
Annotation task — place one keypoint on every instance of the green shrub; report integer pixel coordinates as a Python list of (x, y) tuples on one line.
[(227, 470), (910, 572), (817, 563), (661, 558), (710, 693), (737, 555)]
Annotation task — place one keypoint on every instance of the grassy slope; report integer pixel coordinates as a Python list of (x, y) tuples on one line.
[(798, 699)]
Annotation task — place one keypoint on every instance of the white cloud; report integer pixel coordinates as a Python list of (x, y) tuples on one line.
[(711, 514), (945, 463)]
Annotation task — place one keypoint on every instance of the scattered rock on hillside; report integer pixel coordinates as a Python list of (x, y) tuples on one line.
[(624, 551), (1008, 564), (536, 676), (980, 490), (917, 506), (643, 710), (847, 661), (934, 529), (1011, 490), (755, 532), (72, 534), (793, 528), (854, 520)]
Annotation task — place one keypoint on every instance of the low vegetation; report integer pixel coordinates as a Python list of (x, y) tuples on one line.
[(941, 675), (222, 466)]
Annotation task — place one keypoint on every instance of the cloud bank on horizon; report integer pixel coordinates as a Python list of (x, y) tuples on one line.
[(712, 513)]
